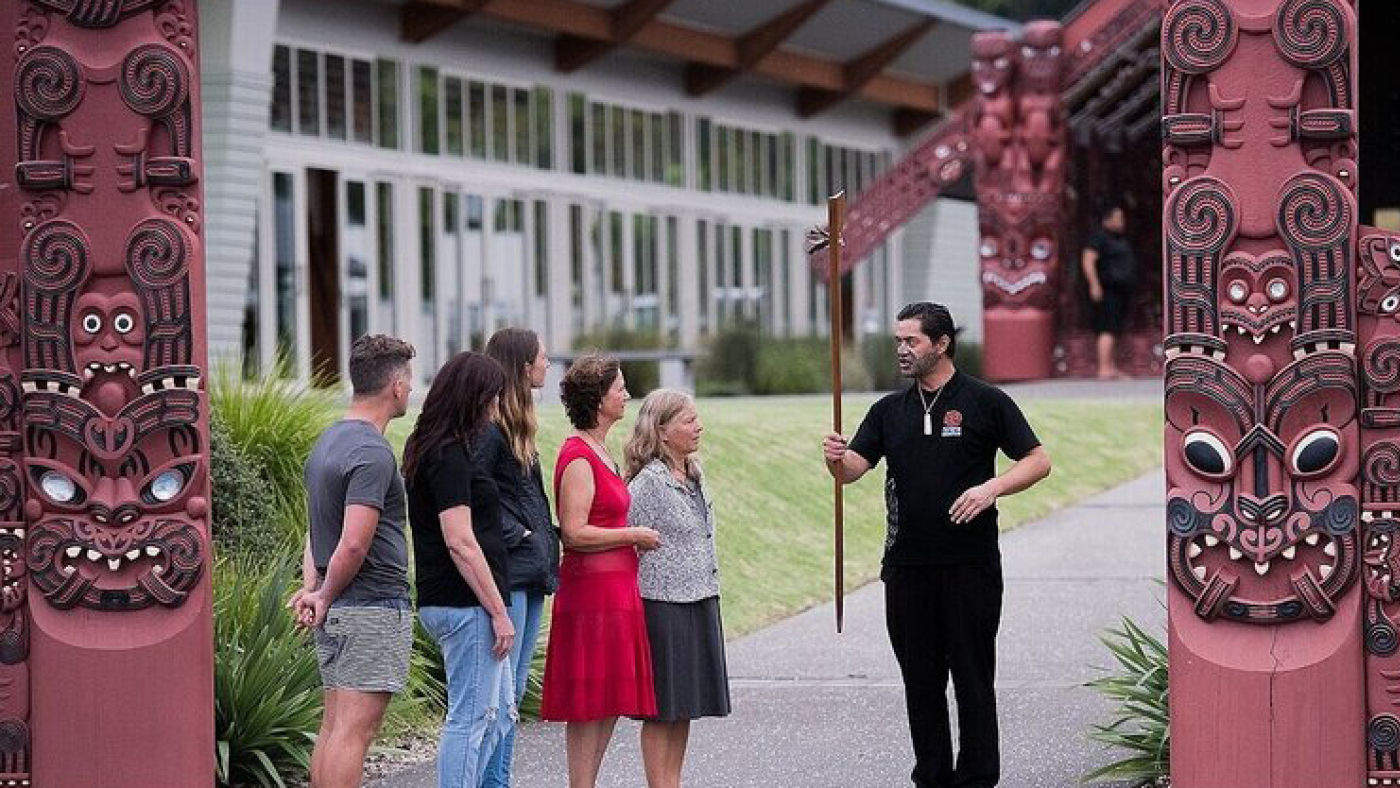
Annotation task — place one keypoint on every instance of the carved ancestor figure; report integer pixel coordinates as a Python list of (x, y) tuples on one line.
[(1020, 136), (1264, 437), (104, 502)]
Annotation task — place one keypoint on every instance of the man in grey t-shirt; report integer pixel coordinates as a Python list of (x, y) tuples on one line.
[(354, 590)]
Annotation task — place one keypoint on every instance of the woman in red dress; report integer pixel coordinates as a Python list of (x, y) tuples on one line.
[(598, 665)]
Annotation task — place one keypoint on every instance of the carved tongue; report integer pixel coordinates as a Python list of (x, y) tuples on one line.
[(109, 394), (1259, 369)]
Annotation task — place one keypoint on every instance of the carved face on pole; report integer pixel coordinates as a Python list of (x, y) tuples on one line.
[(993, 62)]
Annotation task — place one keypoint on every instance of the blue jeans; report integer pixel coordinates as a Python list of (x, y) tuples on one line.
[(526, 607), (480, 697)]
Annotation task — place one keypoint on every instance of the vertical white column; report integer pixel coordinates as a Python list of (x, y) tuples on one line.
[(688, 290)]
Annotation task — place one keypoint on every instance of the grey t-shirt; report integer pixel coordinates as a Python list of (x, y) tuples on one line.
[(352, 463)]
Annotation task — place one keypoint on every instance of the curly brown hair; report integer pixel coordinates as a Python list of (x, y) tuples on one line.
[(584, 385)]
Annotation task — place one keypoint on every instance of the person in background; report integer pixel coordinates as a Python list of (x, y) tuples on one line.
[(354, 591), (509, 453), (679, 581), (1111, 272), (598, 664), (459, 556)]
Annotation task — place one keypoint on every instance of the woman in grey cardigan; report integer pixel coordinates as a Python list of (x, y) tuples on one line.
[(679, 581)]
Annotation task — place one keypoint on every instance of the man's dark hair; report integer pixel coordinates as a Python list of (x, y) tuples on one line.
[(584, 385), (375, 359), (1107, 209), (934, 321)]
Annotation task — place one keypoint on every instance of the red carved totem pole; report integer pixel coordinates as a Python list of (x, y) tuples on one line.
[(1019, 132), (106, 656), (1264, 435)]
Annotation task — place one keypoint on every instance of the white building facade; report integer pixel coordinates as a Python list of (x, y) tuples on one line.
[(357, 182)]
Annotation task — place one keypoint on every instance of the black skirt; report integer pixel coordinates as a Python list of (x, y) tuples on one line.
[(687, 658)]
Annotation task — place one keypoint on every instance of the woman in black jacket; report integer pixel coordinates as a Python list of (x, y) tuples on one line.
[(508, 450)]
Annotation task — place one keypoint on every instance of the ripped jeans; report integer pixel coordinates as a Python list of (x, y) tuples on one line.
[(480, 694)]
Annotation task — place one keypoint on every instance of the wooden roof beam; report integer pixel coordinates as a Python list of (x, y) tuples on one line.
[(573, 52), (751, 48), (858, 73), (420, 20)]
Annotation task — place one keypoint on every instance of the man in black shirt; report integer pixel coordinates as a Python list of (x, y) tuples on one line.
[(1111, 273), (942, 568)]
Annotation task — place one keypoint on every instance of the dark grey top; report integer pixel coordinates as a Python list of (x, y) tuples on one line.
[(685, 568), (352, 463), (530, 533)]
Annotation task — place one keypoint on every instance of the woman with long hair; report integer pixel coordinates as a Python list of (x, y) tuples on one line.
[(679, 581), (459, 554), (598, 665), (509, 454)]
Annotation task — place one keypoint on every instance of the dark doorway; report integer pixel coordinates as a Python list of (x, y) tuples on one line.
[(1379, 111), (322, 220)]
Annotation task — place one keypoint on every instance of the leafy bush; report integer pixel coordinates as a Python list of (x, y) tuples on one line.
[(274, 421), (1139, 687), (969, 358), (642, 376), (267, 689), (730, 364), (244, 520), (803, 366), (877, 352)]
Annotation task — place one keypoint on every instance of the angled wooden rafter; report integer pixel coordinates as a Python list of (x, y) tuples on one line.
[(751, 48), (420, 20), (860, 72), (573, 52)]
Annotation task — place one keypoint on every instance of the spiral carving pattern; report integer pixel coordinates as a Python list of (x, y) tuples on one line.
[(48, 83), (1383, 732), (1381, 465), (1381, 365), (1315, 212), (56, 255), (1201, 216), (1312, 33), (1198, 35), (155, 81), (157, 253)]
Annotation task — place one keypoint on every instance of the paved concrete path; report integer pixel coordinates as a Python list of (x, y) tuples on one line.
[(816, 710)]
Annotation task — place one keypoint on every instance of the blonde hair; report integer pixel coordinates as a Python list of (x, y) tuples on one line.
[(659, 408), (515, 350)]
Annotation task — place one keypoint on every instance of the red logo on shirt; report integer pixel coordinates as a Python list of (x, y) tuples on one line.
[(952, 418)]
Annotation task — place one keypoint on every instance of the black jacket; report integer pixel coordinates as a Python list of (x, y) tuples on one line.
[(531, 536)]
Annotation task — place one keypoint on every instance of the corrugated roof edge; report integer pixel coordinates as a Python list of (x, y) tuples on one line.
[(959, 15)]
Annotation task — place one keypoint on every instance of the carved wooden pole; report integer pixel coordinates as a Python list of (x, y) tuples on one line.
[(1019, 136), (1263, 431), (102, 322)]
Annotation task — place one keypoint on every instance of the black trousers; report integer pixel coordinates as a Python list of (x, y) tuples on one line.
[(942, 620)]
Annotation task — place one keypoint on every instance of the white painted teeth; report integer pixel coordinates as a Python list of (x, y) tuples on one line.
[(1259, 338), (114, 564), (1261, 569), (1199, 572), (1311, 539), (1275, 329), (153, 551), (74, 551), (1193, 550), (93, 555), (1289, 552), (1324, 571), (1235, 554), (1330, 549), (132, 555), (1211, 541), (158, 569)]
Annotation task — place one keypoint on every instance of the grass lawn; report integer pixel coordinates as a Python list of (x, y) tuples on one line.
[(773, 498)]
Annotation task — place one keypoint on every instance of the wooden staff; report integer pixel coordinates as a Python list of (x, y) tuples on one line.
[(835, 217)]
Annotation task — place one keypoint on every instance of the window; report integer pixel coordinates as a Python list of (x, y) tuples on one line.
[(637, 133), (656, 142), (617, 153), (476, 118), (500, 123), (644, 263), (703, 258), (673, 278), (598, 131), (702, 135), (576, 266), (578, 134), (541, 249), (280, 116), (543, 99), (362, 101), (523, 151), (429, 130), (384, 215), (615, 256), (355, 239), (675, 150), (454, 99), (427, 263), (335, 97), (308, 92), (388, 89), (284, 262)]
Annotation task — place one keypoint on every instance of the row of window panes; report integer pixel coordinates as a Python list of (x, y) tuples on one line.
[(744, 161), (832, 168), (320, 94), (623, 142), (484, 120)]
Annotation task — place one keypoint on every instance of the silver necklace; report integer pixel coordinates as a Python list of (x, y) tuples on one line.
[(928, 406), (600, 450)]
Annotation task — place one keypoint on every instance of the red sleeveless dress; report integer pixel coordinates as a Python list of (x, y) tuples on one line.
[(598, 663)]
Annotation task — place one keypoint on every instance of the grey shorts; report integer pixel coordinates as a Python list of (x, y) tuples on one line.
[(365, 647)]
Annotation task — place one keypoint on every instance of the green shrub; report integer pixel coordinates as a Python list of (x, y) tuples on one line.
[(267, 689), (1140, 725), (274, 421), (642, 376), (969, 358), (730, 363), (245, 513), (803, 366), (877, 352)]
